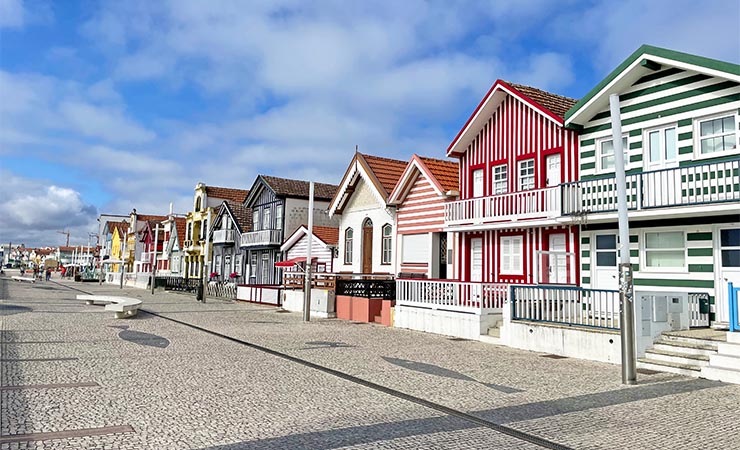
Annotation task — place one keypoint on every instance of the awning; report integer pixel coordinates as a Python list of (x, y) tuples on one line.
[(293, 261)]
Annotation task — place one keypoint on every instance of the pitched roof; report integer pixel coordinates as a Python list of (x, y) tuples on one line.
[(445, 171), (150, 218), (235, 195), (242, 215), (387, 171), (329, 235), (180, 224), (557, 104), (285, 187)]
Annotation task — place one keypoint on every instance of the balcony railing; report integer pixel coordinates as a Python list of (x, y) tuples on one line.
[(567, 305), (531, 204), (451, 295), (145, 258), (261, 238), (223, 237), (681, 186)]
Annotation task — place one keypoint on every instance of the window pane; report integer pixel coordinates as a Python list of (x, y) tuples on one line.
[(730, 258), (654, 144), (730, 238), (706, 128), (665, 258), (606, 241), (728, 124), (670, 144), (673, 239), (607, 147), (606, 259), (728, 142), (607, 162)]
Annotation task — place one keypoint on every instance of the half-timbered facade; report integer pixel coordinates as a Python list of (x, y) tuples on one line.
[(514, 153), (278, 204), (680, 122), (420, 197), (367, 222)]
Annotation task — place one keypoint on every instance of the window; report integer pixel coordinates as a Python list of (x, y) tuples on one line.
[(197, 204), (255, 220), (238, 264), (348, 245), (499, 179), (279, 217), (665, 250), (606, 250), (226, 225), (387, 243), (266, 224), (729, 241), (204, 229), (511, 255), (217, 266), (415, 248), (265, 267), (253, 268), (526, 174), (718, 134), (189, 234), (227, 266), (605, 157), (478, 183), (661, 147)]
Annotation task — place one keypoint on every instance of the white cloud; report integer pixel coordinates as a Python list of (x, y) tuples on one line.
[(11, 14), (105, 123)]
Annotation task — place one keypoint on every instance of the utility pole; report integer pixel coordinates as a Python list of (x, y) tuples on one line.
[(205, 269), (307, 274), (123, 259), (626, 297), (154, 255), (67, 233)]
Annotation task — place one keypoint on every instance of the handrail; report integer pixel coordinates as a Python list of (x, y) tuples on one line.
[(598, 308), (733, 294)]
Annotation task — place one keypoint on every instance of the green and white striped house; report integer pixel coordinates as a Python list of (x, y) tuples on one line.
[(680, 117)]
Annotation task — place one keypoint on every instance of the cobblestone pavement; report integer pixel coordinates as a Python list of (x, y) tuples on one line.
[(178, 387)]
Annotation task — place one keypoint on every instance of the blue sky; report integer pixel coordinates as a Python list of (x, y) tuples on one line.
[(107, 106)]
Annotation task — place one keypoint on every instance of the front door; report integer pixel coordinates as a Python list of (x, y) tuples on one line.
[(604, 262), (557, 262), (442, 255), (729, 270), (553, 174), (476, 267), (367, 246)]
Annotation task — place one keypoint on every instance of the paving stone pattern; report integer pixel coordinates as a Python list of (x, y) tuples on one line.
[(201, 391)]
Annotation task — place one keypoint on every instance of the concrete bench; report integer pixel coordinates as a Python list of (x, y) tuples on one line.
[(123, 307), (24, 279)]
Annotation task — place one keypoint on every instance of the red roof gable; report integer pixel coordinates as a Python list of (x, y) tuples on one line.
[(387, 171)]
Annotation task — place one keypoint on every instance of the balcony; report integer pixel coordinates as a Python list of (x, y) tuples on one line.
[(145, 258), (711, 186), (263, 238), (224, 237), (502, 208)]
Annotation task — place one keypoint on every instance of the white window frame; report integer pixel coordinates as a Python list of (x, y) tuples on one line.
[(698, 138), (644, 251), (267, 219), (521, 177), (265, 258), (255, 220), (473, 176), (499, 179), (279, 217), (507, 268), (348, 245), (663, 162), (597, 153), (387, 244)]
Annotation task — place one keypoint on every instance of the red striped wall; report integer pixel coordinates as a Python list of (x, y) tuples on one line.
[(422, 211)]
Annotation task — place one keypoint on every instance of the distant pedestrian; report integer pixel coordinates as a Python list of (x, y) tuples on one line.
[(48, 274)]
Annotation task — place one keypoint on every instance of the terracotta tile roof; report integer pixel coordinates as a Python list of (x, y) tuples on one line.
[(235, 195), (387, 171), (180, 228), (557, 104), (327, 234), (150, 218), (297, 188), (242, 215), (445, 171)]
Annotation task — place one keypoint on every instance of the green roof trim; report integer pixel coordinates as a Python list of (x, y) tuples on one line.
[(656, 51)]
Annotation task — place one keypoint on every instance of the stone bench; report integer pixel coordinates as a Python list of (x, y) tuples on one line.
[(123, 307), (24, 279)]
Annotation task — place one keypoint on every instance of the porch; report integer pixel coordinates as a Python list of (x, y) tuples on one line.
[(531, 204)]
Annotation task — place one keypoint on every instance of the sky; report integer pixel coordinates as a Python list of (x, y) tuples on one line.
[(109, 106)]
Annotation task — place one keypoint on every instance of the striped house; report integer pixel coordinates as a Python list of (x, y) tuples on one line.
[(420, 197), (680, 120), (514, 153)]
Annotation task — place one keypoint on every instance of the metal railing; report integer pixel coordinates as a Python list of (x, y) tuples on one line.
[(566, 305), (180, 284), (733, 297), (530, 204), (223, 236), (450, 295), (701, 184), (262, 237), (221, 289), (383, 289)]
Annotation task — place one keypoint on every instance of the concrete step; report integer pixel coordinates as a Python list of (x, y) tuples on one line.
[(494, 332), (665, 366), (687, 340), (708, 348), (727, 348), (733, 338), (677, 357), (721, 374), (725, 361)]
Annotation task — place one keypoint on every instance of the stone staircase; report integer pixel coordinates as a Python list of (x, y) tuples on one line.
[(493, 336), (695, 356)]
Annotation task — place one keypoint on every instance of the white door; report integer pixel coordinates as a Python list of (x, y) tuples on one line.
[(552, 163), (604, 262), (662, 187), (477, 194), (729, 270), (476, 267), (557, 270)]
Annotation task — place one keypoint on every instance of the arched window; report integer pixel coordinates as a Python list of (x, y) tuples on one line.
[(197, 204), (387, 242), (348, 238), (367, 223)]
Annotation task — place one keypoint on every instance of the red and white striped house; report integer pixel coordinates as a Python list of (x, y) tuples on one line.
[(514, 152), (420, 197)]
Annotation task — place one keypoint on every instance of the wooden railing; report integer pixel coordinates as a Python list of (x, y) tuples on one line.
[(451, 295), (295, 280), (262, 237), (567, 305), (530, 204), (701, 184), (223, 236)]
